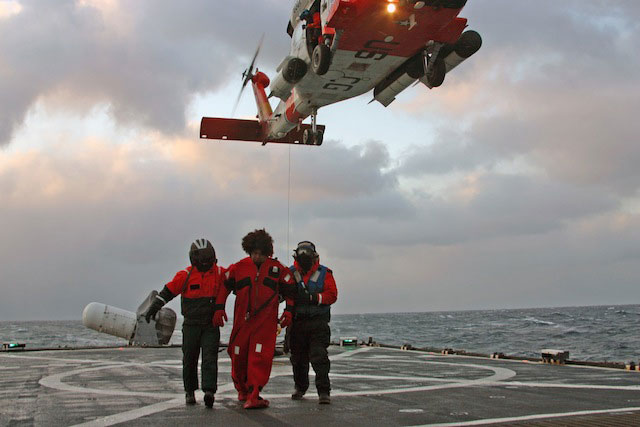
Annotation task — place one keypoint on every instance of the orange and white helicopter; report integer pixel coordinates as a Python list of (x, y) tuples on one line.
[(341, 49)]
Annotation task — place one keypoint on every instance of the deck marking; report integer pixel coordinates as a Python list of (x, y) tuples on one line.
[(531, 417), (349, 353), (384, 377), (134, 414), (583, 386), (61, 359), (499, 374), (55, 382), (176, 399)]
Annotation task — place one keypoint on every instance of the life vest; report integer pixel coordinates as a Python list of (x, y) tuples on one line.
[(314, 285), (198, 293)]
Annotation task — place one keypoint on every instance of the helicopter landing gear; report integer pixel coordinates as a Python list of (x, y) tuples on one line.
[(434, 67), (314, 135), (321, 59), (439, 70), (312, 138)]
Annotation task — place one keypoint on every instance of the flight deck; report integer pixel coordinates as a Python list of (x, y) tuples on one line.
[(370, 386)]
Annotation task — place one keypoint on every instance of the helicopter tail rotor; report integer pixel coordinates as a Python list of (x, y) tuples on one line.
[(247, 75)]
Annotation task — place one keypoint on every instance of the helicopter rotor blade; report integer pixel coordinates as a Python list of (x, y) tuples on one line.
[(255, 56), (247, 75)]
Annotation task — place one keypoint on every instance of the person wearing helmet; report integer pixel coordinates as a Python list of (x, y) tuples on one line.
[(257, 281), (309, 333), (198, 286)]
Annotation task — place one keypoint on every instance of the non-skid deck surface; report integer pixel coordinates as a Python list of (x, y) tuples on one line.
[(371, 386)]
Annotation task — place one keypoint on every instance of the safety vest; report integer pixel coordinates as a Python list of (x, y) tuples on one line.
[(314, 285), (198, 293)]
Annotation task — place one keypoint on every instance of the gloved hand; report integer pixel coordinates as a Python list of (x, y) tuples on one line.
[(286, 318), (151, 313), (302, 296), (313, 298), (219, 317)]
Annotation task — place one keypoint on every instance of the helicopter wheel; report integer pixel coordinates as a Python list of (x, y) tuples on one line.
[(321, 59), (309, 138), (437, 75)]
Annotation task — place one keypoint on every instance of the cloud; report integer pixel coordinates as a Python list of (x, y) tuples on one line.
[(8, 8), (523, 195), (108, 222), (558, 94), (94, 221), (146, 60)]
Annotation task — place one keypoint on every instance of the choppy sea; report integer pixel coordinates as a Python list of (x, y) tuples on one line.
[(597, 333)]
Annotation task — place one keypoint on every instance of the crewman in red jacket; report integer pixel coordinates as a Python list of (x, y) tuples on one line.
[(309, 334), (257, 281), (198, 284)]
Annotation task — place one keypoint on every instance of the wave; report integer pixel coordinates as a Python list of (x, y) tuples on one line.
[(538, 321)]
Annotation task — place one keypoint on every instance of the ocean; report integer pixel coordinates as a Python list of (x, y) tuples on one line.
[(597, 333)]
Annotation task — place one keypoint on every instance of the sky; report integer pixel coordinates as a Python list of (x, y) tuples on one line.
[(514, 185)]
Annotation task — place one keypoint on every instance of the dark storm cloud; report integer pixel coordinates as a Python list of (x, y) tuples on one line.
[(493, 206), (145, 59), (342, 171), (111, 223), (556, 83), (102, 225)]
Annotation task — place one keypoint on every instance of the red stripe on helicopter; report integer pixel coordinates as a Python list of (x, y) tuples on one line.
[(369, 27), (293, 116)]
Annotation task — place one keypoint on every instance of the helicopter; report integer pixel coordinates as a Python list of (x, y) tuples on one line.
[(341, 49)]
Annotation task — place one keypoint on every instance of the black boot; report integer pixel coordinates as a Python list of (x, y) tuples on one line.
[(324, 399), (297, 395), (209, 398), (190, 398)]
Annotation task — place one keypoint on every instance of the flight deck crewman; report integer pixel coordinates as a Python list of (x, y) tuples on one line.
[(309, 333), (198, 285), (257, 281)]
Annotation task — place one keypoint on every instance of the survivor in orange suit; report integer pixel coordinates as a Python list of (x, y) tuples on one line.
[(257, 281)]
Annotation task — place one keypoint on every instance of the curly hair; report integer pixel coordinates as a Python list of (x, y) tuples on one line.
[(258, 240)]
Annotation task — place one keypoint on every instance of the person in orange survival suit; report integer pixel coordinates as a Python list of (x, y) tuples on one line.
[(257, 281), (309, 333), (198, 284)]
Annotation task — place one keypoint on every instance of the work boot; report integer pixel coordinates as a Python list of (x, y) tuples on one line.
[(297, 395), (190, 398), (254, 401), (324, 399), (209, 398)]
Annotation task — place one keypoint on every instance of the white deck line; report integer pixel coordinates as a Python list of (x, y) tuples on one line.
[(532, 417), (134, 414), (61, 359), (565, 385)]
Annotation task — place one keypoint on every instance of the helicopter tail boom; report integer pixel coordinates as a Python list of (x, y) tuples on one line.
[(246, 130)]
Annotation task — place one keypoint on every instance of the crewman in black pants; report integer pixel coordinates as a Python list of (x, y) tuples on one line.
[(198, 285), (309, 333)]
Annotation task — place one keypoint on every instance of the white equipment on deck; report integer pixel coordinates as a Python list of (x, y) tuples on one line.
[(131, 326)]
